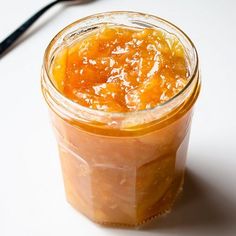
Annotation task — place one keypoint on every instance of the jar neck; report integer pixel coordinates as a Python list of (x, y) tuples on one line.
[(76, 113), (71, 111)]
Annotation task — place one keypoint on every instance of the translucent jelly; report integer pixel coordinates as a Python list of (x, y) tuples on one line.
[(119, 69), (121, 87)]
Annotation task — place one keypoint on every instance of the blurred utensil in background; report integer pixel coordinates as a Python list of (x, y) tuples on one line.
[(6, 44)]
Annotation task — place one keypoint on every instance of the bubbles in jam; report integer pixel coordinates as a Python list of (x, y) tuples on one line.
[(120, 69)]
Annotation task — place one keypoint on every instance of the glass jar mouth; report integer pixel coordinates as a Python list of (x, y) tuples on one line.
[(47, 80)]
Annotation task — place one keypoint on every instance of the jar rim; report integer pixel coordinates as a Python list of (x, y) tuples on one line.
[(118, 114)]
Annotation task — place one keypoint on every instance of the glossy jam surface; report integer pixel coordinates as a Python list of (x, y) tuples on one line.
[(119, 69)]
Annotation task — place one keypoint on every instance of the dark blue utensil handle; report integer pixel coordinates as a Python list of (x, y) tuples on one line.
[(7, 42)]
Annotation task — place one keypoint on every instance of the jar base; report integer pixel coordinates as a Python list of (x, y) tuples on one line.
[(165, 209)]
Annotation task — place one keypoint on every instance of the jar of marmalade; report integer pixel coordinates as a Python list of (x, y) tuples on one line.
[(122, 165)]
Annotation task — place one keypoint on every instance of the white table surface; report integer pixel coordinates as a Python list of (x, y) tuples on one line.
[(32, 200)]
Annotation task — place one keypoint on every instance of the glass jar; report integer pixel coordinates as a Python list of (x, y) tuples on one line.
[(121, 168)]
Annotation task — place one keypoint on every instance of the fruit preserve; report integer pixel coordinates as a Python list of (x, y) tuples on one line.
[(118, 69), (121, 87)]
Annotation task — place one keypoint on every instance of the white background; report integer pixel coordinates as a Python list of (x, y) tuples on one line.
[(32, 200)]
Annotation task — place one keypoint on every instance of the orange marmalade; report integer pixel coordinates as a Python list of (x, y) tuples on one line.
[(121, 87), (119, 69)]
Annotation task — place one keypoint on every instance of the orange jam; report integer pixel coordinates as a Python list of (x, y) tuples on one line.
[(120, 69), (123, 161)]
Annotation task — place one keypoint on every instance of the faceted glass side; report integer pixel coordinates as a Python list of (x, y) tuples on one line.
[(123, 180)]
